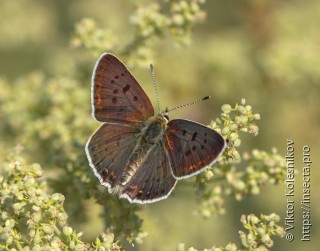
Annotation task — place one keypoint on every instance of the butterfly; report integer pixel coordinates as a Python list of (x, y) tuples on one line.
[(136, 153)]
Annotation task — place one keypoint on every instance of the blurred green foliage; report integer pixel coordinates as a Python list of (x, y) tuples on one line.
[(264, 51)]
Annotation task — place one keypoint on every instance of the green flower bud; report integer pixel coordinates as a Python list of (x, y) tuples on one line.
[(274, 217), (58, 197), (233, 126), (251, 240), (32, 233), (29, 181), (109, 238), (261, 231), (231, 247), (37, 238), (237, 143), (241, 109), (67, 231), (71, 245), (9, 223), (208, 174), (18, 206), (256, 116), (9, 240), (47, 229), (226, 108), (248, 108), (243, 239), (254, 219), (233, 136), (225, 131), (36, 168)]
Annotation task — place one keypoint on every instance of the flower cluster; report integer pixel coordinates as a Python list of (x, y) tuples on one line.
[(33, 219), (93, 38), (183, 16), (151, 22), (224, 179), (232, 121), (260, 231)]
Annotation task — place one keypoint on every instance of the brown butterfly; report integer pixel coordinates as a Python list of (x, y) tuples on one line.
[(137, 153)]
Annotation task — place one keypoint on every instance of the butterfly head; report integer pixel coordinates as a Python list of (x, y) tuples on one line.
[(165, 114)]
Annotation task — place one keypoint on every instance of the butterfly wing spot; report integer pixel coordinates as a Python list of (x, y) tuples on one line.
[(112, 176), (112, 81), (205, 134), (202, 147), (115, 91), (134, 187), (205, 141), (104, 174), (194, 136), (114, 100), (194, 148), (135, 98), (184, 132), (187, 153), (116, 76), (122, 74), (126, 88)]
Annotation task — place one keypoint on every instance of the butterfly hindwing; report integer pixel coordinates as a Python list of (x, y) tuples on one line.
[(191, 147), (109, 150), (153, 180), (117, 97)]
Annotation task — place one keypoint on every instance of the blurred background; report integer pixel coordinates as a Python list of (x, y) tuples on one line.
[(267, 52)]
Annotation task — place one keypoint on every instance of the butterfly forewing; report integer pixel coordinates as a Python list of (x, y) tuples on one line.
[(153, 180), (116, 95), (109, 150), (191, 147)]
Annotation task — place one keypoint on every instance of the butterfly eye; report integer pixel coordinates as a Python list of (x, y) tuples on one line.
[(166, 113)]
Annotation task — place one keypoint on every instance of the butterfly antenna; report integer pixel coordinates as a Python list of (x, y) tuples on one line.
[(192, 103), (154, 85)]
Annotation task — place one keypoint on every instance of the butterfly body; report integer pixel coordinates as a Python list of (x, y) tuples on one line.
[(136, 153), (148, 137)]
